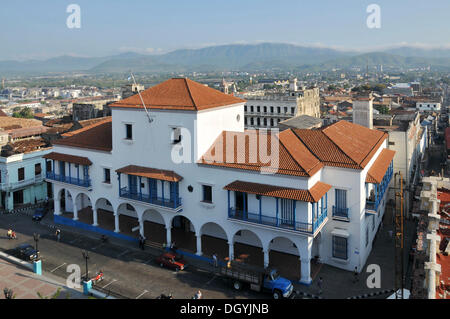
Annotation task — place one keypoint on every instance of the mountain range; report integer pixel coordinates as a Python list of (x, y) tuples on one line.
[(235, 57)]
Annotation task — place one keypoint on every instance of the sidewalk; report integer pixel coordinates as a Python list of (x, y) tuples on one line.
[(26, 285)]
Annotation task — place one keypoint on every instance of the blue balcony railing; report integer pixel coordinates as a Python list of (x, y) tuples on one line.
[(69, 180), (165, 202), (340, 212), (382, 187), (276, 222)]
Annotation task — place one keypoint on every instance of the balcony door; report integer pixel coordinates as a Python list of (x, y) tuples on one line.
[(241, 199), (132, 184), (287, 212), (62, 169)]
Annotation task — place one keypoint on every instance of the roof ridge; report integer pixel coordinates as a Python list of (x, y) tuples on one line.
[(190, 94), (332, 142), (295, 160)]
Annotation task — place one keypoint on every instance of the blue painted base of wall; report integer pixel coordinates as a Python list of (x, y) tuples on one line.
[(307, 284), (37, 267), (87, 286), (58, 219)]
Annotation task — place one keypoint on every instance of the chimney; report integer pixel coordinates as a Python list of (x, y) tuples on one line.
[(363, 110)]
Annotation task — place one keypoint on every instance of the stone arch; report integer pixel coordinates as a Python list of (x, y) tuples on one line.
[(83, 205), (248, 247), (214, 240), (154, 226), (183, 233), (128, 219), (284, 255), (105, 214), (65, 199)]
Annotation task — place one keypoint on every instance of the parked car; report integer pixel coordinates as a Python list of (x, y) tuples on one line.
[(39, 213), (27, 252), (172, 261)]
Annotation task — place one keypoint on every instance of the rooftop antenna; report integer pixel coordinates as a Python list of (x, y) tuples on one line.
[(150, 120)]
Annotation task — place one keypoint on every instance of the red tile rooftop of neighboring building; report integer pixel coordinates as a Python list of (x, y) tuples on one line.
[(97, 136), (179, 94), (444, 232)]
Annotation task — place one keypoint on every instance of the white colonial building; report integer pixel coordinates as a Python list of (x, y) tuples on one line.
[(185, 170)]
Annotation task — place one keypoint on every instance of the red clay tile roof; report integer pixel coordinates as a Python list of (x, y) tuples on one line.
[(68, 158), (97, 137), (229, 151), (379, 167), (301, 152), (3, 113), (313, 195), (179, 94), (357, 142), (88, 125), (150, 173), (324, 149)]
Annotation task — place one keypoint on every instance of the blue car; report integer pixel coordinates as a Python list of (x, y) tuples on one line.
[(39, 213)]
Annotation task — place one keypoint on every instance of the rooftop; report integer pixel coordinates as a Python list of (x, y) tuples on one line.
[(179, 94), (302, 122)]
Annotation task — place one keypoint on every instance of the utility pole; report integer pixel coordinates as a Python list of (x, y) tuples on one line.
[(399, 241)]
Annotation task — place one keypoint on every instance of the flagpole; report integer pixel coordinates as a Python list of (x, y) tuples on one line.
[(142, 100)]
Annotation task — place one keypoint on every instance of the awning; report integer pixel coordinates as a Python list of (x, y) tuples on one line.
[(154, 173), (312, 195), (68, 158), (379, 167)]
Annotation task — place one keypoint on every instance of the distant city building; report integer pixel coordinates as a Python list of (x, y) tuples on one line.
[(301, 122), (267, 111), (428, 106), (131, 89), (89, 109), (363, 110), (409, 140)]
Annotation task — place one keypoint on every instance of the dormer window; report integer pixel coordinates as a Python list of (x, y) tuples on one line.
[(176, 135)]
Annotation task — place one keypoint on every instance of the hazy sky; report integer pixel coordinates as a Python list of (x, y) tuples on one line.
[(37, 29)]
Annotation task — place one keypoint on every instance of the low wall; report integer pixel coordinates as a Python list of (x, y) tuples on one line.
[(77, 224)]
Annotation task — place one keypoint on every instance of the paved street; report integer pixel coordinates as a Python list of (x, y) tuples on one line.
[(128, 272)]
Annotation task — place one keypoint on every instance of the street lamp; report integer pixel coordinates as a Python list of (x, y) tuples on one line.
[(36, 239), (86, 257)]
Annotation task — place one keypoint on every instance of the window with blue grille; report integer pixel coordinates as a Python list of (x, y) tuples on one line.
[(340, 247)]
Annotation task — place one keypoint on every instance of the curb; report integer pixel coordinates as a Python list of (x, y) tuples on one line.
[(308, 295), (16, 261), (373, 294), (98, 294)]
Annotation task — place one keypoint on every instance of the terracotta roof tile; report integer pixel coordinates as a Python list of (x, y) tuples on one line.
[(97, 137), (304, 195), (299, 152), (88, 125), (229, 150), (68, 158), (179, 94), (324, 149), (160, 174), (357, 142), (380, 166)]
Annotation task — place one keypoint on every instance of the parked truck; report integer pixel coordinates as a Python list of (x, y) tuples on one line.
[(259, 279)]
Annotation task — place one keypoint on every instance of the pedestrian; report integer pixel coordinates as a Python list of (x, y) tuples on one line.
[(215, 261), (173, 247), (390, 234), (198, 295), (355, 275), (320, 285), (58, 235)]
